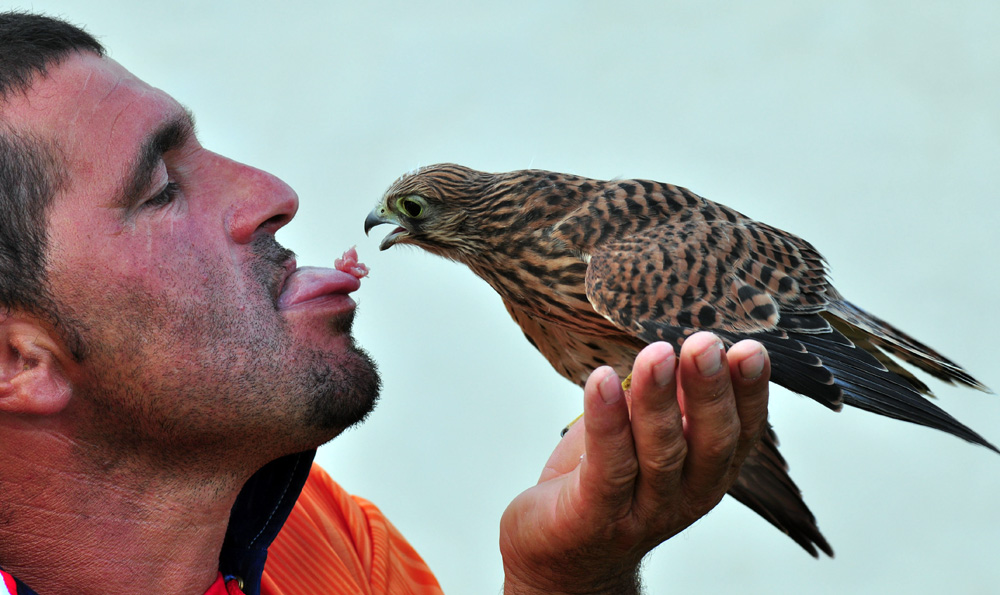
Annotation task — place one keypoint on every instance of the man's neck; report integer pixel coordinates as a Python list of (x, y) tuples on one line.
[(112, 531)]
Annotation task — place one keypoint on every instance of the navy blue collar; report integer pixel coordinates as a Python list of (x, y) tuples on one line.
[(258, 514)]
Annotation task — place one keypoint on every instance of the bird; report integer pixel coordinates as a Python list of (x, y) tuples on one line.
[(594, 270)]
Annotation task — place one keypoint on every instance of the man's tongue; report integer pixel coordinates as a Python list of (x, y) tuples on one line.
[(309, 283)]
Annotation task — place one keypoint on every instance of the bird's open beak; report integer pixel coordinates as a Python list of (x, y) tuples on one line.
[(380, 215)]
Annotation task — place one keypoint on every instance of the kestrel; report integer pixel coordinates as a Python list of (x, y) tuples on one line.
[(595, 270)]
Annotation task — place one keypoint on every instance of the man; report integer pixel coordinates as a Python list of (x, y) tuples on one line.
[(166, 373)]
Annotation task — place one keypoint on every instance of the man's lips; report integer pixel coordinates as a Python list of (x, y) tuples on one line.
[(310, 283)]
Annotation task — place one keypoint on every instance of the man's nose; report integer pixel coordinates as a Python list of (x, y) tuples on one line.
[(261, 203)]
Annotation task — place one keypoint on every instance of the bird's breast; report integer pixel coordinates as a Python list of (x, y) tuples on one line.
[(548, 286)]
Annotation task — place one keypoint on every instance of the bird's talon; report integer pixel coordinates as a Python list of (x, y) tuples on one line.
[(627, 383), (570, 425)]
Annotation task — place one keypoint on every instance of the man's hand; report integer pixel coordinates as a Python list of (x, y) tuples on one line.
[(616, 487)]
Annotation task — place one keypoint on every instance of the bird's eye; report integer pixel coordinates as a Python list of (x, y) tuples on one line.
[(412, 206)]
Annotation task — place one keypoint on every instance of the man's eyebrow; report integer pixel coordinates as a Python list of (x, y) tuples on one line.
[(170, 135)]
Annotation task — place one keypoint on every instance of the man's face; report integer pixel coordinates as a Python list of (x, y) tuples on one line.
[(162, 255)]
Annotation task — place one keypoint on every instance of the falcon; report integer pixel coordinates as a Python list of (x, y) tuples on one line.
[(593, 271)]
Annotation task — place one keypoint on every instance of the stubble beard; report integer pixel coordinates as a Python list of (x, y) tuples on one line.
[(344, 395), (173, 381)]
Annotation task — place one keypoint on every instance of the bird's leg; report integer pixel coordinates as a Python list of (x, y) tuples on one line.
[(626, 384)]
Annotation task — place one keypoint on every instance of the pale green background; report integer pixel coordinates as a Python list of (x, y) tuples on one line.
[(870, 128)]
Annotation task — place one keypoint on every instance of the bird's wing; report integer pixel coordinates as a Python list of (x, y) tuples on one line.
[(765, 487), (735, 276), (751, 280)]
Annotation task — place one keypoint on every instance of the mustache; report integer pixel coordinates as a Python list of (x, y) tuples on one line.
[(268, 266)]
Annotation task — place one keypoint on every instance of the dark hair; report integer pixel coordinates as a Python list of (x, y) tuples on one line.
[(30, 43), (30, 171)]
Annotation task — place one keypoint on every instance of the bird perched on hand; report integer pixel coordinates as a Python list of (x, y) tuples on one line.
[(594, 270)]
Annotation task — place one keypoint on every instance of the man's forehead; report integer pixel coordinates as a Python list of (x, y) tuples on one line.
[(98, 114), (90, 100)]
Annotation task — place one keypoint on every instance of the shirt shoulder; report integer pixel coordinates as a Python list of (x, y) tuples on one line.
[(334, 542)]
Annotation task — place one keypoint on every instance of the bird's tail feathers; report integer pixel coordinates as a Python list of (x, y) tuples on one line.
[(834, 371), (765, 487), (861, 327)]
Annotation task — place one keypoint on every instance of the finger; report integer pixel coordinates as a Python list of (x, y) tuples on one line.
[(608, 469), (712, 423), (750, 370), (656, 422)]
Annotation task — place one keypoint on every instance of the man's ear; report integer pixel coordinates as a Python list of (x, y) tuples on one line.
[(32, 381)]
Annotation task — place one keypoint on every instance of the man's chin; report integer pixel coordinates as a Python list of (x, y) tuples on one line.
[(346, 393)]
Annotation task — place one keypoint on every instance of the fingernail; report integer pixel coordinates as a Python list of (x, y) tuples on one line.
[(610, 389), (710, 361), (752, 367), (663, 372)]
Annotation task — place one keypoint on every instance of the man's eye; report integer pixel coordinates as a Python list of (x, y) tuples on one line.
[(165, 197)]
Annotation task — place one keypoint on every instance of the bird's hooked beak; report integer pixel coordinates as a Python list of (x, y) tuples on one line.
[(380, 215)]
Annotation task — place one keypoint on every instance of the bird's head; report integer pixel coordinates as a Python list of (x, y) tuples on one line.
[(430, 208)]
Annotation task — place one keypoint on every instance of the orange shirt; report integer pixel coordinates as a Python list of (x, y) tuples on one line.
[(333, 542)]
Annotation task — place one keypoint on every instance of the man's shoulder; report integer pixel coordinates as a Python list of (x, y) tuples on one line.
[(333, 540)]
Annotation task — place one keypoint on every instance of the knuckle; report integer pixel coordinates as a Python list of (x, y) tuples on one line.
[(665, 447), (662, 429), (713, 401), (664, 462), (722, 445), (614, 490)]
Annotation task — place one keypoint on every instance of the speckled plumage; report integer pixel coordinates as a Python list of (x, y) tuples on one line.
[(594, 270)]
